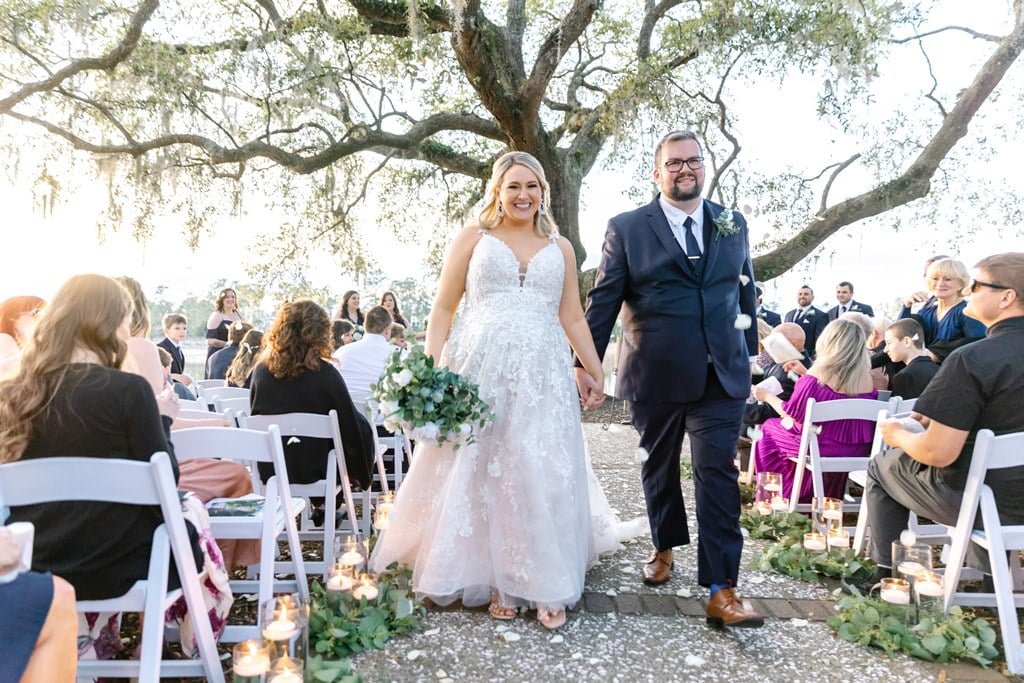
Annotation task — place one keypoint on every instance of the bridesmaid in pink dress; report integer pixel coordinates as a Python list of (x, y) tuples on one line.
[(841, 370)]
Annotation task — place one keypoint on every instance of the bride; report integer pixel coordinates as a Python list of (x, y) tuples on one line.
[(509, 519)]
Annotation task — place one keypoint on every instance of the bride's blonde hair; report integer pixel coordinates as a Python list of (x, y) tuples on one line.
[(543, 224), (84, 314)]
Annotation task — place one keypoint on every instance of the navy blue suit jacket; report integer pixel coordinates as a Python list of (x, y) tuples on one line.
[(852, 307), (770, 317), (673, 319)]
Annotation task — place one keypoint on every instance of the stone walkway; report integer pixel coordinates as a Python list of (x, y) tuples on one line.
[(623, 630)]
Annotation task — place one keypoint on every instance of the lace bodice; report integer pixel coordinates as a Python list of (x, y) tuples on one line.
[(494, 281)]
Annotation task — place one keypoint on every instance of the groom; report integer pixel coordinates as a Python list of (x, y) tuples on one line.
[(680, 270)]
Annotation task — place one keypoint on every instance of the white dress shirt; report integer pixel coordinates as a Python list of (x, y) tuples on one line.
[(677, 219), (361, 363)]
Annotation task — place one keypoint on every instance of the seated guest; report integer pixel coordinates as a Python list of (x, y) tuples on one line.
[(757, 413), (70, 398), (361, 363), (771, 317), (295, 376), (396, 335), (390, 303), (217, 365), (883, 368), (17, 320), (979, 386), (341, 333), (167, 362), (763, 359), (839, 371), (38, 624), (946, 327), (844, 295), (240, 371), (175, 328), (904, 342), (878, 379)]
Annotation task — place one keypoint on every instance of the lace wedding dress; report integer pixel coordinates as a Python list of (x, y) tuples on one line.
[(519, 511)]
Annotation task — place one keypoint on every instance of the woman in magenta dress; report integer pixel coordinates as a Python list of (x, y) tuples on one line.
[(841, 370)]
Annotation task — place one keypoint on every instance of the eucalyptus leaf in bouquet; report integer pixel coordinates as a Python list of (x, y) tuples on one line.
[(429, 403)]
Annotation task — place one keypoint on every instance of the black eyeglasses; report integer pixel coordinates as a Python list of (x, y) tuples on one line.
[(975, 285), (676, 165)]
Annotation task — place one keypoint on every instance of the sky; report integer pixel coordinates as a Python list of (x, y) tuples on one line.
[(882, 264)]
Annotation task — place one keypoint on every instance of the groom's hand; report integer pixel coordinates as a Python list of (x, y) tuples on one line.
[(591, 393)]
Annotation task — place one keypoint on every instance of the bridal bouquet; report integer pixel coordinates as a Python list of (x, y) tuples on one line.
[(429, 403)]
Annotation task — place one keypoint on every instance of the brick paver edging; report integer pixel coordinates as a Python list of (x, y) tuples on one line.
[(653, 604)]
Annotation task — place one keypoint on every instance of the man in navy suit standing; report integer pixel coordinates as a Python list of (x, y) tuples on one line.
[(812, 320), (844, 295), (771, 317), (679, 268)]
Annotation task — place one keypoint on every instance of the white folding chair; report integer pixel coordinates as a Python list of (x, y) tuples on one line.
[(187, 404), (223, 404), (905, 405), (49, 480), (213, 393), (203, 384), (189, 414), (277, 517), (809, 455), (311, 425), (991, 453), (396, 442)]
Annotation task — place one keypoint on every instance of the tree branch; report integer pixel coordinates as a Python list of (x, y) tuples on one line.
[(832, 178), (653, 15), (913, 183), (969, 31), (112, 57)]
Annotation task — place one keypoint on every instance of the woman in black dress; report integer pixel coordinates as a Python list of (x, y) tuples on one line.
[(349, 309), (295, 375), (70, 398), (225, 313), (390, 302)]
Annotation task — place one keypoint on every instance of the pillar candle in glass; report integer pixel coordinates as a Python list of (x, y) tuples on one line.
[(351, 552), (342, 579), (250, 662), (928, 590), (365, 588), (768, 485), (287, 670), (838, 538), (780, 506), (284, 624), (827, 514), (896, 592), (815, 541), (911, 560)]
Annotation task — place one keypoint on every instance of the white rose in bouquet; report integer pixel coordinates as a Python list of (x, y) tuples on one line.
[(402, 378), (428, 432)]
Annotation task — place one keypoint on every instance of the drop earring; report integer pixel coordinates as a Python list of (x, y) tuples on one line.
[(543, 208), (501, 209)]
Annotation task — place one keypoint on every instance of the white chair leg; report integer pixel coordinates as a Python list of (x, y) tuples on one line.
[(1009, 626), (860, 535), (153, 620)]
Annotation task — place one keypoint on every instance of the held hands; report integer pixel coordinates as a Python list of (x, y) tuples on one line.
[(591, 390)]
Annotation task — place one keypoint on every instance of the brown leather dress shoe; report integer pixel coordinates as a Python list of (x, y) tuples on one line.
[(725, 609), (658, 569)]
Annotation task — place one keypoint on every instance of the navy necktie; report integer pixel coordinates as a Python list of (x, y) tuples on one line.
[(692, 247)]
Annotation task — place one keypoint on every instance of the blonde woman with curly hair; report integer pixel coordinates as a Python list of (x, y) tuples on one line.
[(946, 326), (840, 370), (295, 375), (513, 519)]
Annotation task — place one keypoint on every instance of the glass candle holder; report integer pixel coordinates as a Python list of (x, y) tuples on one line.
[(815, 541), (250, 661), (763, 508), (896, 592), (929, 593), (365, 588), (910, 560), (284, 625), (780, 506), (287, 670), (838, 539), (387, 501), (827, 514), (767, 485), (350, 552), (382, 520), (342, 578)]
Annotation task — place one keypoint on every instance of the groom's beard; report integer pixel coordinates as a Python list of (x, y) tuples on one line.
[(680, 195)]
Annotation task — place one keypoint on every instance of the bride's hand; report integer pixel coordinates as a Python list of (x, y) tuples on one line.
[(591, 391)]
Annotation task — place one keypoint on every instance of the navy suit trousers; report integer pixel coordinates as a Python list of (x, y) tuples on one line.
[(712, 424)]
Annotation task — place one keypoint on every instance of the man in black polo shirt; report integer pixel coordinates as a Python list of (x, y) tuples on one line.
[(979, 386)]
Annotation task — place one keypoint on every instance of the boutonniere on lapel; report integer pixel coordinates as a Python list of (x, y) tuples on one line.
[(809, 313), (725, 224)]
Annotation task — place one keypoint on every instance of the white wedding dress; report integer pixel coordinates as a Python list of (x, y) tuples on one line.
[(519, 511)]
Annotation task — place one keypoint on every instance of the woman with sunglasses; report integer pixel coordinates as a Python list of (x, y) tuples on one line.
[(17, 320), (946, 326)]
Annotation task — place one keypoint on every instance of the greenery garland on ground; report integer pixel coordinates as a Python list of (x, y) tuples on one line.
[(340, 625), (775, 527), (789, 557), (943, 638)]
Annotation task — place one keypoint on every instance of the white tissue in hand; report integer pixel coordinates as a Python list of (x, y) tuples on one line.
[(793, 376), (756, 370), (780, 349), (743, 322), (744, 280), (771, 385), (640, 455), (787, 423), (908, 537)]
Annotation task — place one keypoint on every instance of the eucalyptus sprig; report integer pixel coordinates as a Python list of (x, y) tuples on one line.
[(340, 625), (945, 638), (792, 525), (789, 557)]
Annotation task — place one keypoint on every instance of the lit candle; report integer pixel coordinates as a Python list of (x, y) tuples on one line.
[(367, 588), (280, 629), (932, 589), (895, 591), (839, 539), (772, 486), (287, 670), (351, 557), (386, 502), (383, 520), (763, 508), (911, 569), (832, 514), (780, 504), (249, 661), (340, 581), (814, 541)]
